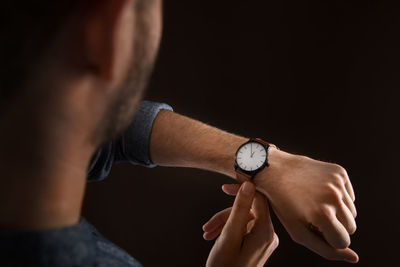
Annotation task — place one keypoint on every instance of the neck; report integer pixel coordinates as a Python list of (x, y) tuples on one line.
[(42, 174)]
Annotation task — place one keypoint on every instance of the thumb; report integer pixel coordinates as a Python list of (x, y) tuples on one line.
[(233, 231)]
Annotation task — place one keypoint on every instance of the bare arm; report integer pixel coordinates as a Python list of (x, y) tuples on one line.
[(180, 141), (314, 200)]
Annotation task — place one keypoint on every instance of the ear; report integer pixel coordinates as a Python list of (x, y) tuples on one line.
[(108, 37)]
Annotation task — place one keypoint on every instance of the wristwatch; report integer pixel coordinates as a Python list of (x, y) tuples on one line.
[(251, 157)]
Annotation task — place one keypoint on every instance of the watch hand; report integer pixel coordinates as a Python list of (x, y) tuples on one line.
[(251, 150)]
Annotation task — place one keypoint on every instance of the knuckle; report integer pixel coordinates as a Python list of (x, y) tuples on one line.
[(321, 215), (340, 170), (243, 205), (326, 212), (337, 180), (344, 243), (218, 220), (241, 208), (331, 189), (334, 193)]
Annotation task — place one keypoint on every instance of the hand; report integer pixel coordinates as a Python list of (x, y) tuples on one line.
[(247, 237), (313, 200)]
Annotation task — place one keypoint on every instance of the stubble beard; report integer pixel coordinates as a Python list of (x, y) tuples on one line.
[(121, 110)]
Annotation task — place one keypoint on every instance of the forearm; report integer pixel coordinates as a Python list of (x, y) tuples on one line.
[(305, 194), (179, 141)]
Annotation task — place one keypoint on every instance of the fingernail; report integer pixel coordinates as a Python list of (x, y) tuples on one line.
[(247, 189), (351, 259)]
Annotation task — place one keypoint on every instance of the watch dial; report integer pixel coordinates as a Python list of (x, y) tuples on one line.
[(251, 156)]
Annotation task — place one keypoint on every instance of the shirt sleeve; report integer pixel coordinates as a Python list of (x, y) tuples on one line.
[(132, 146)]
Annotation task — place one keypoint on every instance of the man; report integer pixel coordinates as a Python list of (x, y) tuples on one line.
[(73, 73)]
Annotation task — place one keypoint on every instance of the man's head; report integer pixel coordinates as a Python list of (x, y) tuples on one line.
[(83, 61)]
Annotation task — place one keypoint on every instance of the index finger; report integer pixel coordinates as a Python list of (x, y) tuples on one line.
[(233, 231), (262, 233)]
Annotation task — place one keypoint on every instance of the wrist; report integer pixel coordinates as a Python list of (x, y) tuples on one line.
[(228, 158), (278, 162), (253, 157)]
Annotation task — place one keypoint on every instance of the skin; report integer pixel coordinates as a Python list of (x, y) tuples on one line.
[(247, 237), (302, 191), (86, 92), (90, 85)]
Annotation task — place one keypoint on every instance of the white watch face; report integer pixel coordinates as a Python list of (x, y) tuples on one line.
[(251, 156)]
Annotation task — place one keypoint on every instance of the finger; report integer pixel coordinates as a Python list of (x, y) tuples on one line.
[(271, 248), (213, 228), (262, 233), (231, 189), (214, 233), (345, 216), (233, 231), (261, 213), (333, 231), (349, 203), (349, 186), (315, 243), (350, 190), (218, 219)]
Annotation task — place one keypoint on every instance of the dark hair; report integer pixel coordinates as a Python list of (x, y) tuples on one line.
[(27, 28)]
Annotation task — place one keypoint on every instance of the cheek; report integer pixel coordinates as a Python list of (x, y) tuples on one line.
[(124, 49), (158, 21), (149, 27)]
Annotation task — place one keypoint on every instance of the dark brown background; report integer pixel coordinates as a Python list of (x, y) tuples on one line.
[(319, 78)]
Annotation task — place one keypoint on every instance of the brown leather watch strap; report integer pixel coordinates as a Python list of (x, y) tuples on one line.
[(242, 177), (264, 142)]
